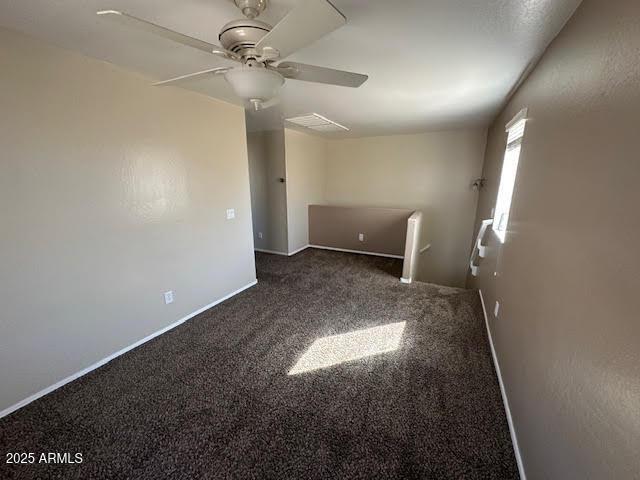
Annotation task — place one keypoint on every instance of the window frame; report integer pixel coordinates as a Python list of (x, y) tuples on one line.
[(515, 134)]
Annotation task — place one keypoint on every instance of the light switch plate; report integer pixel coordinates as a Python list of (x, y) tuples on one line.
[(231, 213), (168, 297), (361, 237)]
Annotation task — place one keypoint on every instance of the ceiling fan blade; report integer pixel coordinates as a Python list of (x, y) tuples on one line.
[(140, 24), (191, 76), (312, 73), (306, 23)]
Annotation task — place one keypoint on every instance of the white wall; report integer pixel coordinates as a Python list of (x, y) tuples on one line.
[(431, 172), (268, 194), (306, 163), (111, 193)]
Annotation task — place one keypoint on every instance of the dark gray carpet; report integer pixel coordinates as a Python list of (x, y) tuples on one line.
[(212, 398)]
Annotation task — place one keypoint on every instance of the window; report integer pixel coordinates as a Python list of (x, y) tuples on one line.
[(515, 130)]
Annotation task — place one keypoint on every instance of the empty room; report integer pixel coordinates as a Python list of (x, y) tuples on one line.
[(319, 239)]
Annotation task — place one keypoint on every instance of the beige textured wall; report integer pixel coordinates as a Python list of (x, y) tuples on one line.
[(568, 331), (111, 193), (268, 194), (306, 163), (430, 172), (384, 229)]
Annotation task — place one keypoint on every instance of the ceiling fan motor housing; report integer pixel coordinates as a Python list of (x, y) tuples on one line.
[(241, 36)]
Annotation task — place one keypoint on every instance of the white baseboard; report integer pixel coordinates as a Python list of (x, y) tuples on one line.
[(505, 400), (357, 251), (98, 364), (273, 252), (298, 250)]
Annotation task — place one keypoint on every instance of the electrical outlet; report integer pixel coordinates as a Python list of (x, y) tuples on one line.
[(259, 234), (361, 237), (496, 309), (231, 213), (168, 297)]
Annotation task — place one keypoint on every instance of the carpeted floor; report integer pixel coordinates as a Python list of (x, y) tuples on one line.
[(213, 397)]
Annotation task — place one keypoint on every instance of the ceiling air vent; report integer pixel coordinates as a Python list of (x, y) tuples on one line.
[(318, 123)]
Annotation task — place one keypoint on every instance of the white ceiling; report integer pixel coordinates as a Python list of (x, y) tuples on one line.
[(432, 64)]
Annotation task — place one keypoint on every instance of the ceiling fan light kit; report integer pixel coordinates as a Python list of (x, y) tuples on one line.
[(256, 85), (260, 49)]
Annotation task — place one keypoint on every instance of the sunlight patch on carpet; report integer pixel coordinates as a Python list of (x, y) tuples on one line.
[(328, 351)]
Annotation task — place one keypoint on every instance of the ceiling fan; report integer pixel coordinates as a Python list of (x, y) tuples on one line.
[(260, 49)]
